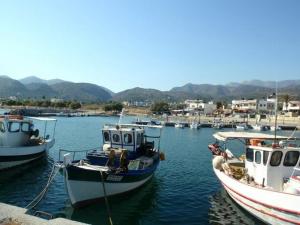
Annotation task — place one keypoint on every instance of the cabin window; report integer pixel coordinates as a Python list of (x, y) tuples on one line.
[(249, 154), (116, 138), (257, 157), (128, 138), (106, 136), (139, 139), (2, 127), (13, 127), (265, 158), (276, 158), (291, 158), (25, 127)]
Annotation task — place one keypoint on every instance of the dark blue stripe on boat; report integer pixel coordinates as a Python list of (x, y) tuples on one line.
[(80, 174)]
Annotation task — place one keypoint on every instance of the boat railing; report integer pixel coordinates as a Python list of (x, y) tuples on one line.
[(295, 169), (75, 153)]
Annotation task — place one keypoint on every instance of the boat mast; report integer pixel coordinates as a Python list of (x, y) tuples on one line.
[(276, 103)]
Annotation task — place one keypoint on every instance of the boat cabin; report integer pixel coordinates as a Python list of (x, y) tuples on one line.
[(16, 131), (123, 138), (266, 163), (272, 166), (127, 136)]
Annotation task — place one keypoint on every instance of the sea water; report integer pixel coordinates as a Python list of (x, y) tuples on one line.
[(184, 189)]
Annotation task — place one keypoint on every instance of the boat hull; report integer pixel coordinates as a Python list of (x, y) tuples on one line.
[(84, 192), (15, 156), (269, 206), (85, 186)]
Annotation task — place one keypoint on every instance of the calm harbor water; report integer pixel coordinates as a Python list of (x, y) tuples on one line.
[(184, 189)]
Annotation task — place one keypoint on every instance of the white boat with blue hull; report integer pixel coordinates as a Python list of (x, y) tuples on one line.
[(127, 161), (19, 142), (266, 180)]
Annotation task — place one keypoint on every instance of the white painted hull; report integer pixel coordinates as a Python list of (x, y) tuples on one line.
[(241, 128), (258, 127), (269, 206), (15, 156), (194, 126), (84, 191)]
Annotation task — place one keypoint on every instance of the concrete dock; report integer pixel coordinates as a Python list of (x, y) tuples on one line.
[(13, 215)]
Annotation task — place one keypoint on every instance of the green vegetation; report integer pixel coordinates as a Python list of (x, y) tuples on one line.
[(43, 103), (113, 106), (160, 107)]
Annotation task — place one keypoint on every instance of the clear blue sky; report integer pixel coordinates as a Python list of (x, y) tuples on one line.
[(150, 43)]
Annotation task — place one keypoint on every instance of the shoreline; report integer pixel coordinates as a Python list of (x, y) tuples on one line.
[(282, 120)]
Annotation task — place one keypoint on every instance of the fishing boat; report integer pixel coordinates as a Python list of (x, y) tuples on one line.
[(194, 125), (126, 161), (273, 128), (179, 125), (266, 180), (242, 126), (259, 127), (20, 143), (217, 125)]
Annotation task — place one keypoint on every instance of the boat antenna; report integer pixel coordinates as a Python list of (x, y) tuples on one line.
[(276, 106)]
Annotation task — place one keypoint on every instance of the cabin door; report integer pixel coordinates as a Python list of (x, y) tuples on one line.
[(259, 168)]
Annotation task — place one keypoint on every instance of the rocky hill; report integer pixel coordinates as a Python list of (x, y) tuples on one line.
[(84, 92), (34, 87)]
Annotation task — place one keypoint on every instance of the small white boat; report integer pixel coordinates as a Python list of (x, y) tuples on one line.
[(241, 127), (127, 161), (19, 142), (258, 127), (194, 125), (218, 125), (272, 128), (179, 125), (266, 180)]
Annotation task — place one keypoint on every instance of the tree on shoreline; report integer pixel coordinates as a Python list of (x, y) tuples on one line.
[(160, 108)]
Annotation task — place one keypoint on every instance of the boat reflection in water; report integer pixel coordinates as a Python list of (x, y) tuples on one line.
[(125, 209), (225, 211)]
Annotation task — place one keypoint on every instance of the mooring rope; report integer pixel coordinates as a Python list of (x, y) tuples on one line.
[(106, 200), (292, 135), (40, 196)]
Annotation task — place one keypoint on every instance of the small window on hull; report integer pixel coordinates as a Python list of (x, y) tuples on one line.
[(257, 157), (276, 158), (25, 127), (266, 156), (13, 127), (2, 127), (139, 139), (249, 154), (127, 138), (116, 138), (106, 136), (291, 158)]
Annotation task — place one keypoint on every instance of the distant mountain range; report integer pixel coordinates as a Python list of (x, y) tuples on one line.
[(34, 87)]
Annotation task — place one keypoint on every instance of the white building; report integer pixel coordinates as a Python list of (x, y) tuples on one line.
[(266, 105), (261, 105), (56, 100), (200, 106), (244, 105), (292, 106)]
